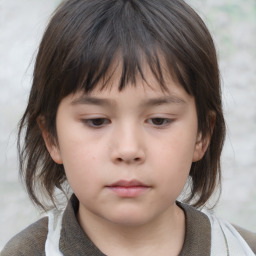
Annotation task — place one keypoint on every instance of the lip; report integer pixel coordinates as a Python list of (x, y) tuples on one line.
[(127, 183), (128, 189)]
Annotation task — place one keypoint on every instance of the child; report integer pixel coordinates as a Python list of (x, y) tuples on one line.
[(125, 107)]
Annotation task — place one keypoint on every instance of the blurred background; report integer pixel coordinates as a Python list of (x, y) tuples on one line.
[(233, 26)]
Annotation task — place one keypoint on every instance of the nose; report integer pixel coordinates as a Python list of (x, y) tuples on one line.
[(128, 147)]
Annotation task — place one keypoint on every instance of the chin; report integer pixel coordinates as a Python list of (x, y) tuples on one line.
[(129, 219)]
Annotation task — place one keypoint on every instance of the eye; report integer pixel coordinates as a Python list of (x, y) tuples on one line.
[(159, 121), (96, 122)]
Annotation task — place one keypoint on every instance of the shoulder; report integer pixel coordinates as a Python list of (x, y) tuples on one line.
[(248, 236), (198, 232), (204, 231), (30, 241), (226, 236)]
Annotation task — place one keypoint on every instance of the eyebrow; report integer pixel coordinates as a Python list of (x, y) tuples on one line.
[(88, 100), (164, 100)]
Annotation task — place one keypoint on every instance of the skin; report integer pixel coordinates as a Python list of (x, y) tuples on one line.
[(141, 133)]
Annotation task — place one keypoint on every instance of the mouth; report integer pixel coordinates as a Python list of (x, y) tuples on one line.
[(128, 189)]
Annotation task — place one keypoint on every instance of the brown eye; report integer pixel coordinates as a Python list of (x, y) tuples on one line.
[(159, 121), (96, 122)]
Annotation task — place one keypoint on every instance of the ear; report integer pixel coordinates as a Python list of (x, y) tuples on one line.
[(201, 146), (50, 143), (202, 143)]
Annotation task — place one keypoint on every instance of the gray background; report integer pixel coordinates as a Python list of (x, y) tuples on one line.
[(233, 25)]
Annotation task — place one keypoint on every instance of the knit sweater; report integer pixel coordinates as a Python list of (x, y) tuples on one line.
[(74, 241)]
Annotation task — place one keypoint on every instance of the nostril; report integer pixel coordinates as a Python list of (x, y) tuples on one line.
[(120, 159)]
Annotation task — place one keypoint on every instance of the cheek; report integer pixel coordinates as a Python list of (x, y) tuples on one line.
[(173, 179), (76, 147), (177, 151), (81, 164), (173, 162)]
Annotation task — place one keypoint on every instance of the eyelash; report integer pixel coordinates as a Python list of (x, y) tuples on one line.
[(163, 121), (101, 122), (91, 122)]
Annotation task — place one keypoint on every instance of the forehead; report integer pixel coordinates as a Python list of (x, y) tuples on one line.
[(147, 90), (159, 78)]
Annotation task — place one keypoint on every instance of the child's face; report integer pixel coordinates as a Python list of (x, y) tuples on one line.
[(127, 155)]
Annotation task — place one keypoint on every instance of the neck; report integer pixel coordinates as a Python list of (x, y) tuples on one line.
[(162, 236)]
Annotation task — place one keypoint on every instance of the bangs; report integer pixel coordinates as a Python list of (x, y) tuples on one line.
[(120, 36)]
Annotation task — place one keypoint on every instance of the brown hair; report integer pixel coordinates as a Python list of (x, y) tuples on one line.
[(79, 45)]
